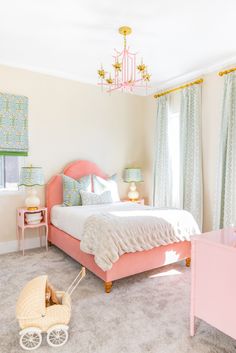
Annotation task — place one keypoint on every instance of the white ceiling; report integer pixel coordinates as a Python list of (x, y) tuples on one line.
[(178, 39)]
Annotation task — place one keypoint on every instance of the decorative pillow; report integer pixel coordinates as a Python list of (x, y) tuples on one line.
[(90, 198), (72, 188), (100, 185)]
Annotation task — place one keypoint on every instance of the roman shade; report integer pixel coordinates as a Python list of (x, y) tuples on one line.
[(13, 125)]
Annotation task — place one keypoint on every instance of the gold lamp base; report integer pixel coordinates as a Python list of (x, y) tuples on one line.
[(32, 208), (125, 30)]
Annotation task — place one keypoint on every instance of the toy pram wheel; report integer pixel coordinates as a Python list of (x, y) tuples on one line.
[(57, 335), (30, 338)]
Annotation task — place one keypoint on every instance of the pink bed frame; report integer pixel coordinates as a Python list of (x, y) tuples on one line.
[(128, 264)]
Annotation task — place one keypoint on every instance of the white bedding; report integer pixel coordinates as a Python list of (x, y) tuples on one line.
[(71, 219), (110, 230), (109, 235)]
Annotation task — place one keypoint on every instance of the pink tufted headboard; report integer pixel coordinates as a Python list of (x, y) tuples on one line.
[(75, 170)]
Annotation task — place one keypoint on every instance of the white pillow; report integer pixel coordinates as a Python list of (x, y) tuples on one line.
[(100, 185), (90, 198)]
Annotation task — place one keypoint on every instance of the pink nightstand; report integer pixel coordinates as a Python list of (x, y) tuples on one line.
[(140, 201), (21, 225), (213, 280)]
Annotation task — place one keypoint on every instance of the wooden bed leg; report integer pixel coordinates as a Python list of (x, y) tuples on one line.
[(49, 243), (188, 261), (107, 286)]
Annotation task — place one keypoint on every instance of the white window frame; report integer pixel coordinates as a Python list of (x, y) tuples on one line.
[(1, 173)]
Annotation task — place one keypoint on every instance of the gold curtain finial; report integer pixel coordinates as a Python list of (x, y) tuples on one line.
[(196, 82), (226, 72)]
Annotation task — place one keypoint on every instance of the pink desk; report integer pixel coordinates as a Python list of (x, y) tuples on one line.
[(213, 288)]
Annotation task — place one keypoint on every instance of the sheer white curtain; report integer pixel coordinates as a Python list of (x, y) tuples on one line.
[(166, 168), (178, 154), (225, 204), (191, 152)]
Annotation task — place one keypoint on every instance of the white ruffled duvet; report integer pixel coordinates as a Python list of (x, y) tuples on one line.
[(108, 235)]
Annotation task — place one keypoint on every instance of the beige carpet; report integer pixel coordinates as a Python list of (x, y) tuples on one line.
[(144, 313)]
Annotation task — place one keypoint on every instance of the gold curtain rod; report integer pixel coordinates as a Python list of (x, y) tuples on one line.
[(226, 72), (197, 82)]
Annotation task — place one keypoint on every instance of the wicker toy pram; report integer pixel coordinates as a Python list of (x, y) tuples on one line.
[(34, 317)]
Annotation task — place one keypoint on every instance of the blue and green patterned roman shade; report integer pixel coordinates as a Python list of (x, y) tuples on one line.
[(13, 125)]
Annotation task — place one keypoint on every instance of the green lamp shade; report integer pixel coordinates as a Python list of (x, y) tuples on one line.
[(132, 175), (31, 176)]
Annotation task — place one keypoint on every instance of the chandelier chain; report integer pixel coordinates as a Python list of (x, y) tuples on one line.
[(125, 41)]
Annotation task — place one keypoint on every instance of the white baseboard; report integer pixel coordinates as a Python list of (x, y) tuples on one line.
[(12, 246)]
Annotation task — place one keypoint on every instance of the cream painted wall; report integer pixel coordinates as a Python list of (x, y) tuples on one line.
[(68, 121), (212, 90), (149, 142)]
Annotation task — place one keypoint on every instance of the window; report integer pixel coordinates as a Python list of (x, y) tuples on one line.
[(174, 148), (174, 157), (9, 172)]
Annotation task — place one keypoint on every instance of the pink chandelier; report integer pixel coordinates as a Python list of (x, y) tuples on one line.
[(127, 76)]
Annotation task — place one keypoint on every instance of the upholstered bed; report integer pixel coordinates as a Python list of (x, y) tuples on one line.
[(64, 233)]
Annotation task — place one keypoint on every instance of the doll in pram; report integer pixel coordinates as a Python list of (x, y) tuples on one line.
[(35, 317)]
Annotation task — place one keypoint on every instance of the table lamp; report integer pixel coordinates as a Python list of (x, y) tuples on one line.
[(31, 177), (132, 176)]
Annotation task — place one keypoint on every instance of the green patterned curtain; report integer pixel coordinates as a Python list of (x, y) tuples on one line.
[(13, 125), (161, 192), (225, 204), (191, 152)]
